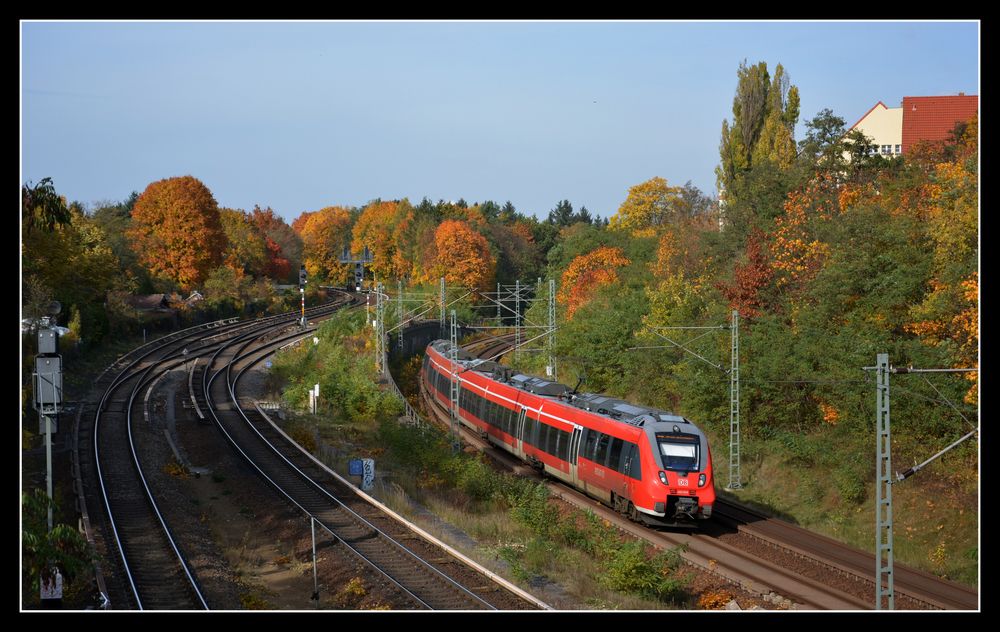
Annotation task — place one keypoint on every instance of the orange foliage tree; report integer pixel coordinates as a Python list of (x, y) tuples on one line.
[(176, 231), (463, 255), (586, 273), (797, 256), (949, 313)]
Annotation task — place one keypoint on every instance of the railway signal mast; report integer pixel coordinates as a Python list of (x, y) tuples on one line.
[(302, 291), (359, 264), (48, 386)]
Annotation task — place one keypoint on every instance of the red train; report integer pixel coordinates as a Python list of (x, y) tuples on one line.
[(649, 464)]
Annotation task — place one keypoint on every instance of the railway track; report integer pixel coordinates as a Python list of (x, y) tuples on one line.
[(425, 576), (814, 571), (116, 461)]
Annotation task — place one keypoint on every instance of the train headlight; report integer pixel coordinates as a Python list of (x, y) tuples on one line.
[(663, 478), (701, 480)]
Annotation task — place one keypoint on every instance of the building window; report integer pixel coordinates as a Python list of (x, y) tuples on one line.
[(886, 150), (898, 149)]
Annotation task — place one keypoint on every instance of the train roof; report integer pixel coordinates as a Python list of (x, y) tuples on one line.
[(613, 408)]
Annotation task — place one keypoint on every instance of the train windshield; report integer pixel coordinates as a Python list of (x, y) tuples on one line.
[(678, 451)]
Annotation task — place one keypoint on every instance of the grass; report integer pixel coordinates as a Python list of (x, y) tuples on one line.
[(826, 484)]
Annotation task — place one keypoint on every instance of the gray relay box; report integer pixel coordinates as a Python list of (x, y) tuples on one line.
[(48, 342), (48, 383)]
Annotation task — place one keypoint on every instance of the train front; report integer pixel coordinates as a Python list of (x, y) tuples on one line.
[(682, 485)]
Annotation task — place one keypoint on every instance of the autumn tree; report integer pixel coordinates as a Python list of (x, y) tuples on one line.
[(374, 230), (177, 232), (246, 249), (649, 206), (948, 317), (463, 255), (284, 246), (588, 272), (324, 234), (751, 278)]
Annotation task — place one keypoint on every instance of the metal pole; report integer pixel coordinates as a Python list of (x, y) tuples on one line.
[(499, 321), (517, 322), (379, 330), (551, 341), (48, 465), (302, 290), (916, 468), (315, 595), (453, 356), (734, 406), (443, 300), (883, 489), (399, 311)]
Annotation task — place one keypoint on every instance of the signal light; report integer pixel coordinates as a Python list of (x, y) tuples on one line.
[(302, 275)]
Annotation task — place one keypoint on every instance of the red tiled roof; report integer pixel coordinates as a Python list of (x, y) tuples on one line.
[(933, 118)]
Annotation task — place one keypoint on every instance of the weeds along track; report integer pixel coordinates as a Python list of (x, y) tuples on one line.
[(817, 554), (760, 553), (144, 563), (423, 575)]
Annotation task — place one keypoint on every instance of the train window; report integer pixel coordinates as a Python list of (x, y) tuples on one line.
[(553, 441), (589, 440), (635, 463), (601, 454), (615, 454), (562, 450), (678, 451)]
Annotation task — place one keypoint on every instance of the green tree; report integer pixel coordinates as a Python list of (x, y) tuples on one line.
[(42, 207), (759, 140), (562, 214), (42, 550)]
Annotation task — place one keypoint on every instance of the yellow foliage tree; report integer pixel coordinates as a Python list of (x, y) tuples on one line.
[(650, 206)]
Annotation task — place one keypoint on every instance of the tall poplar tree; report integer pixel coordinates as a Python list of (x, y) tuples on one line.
[(765, 112)]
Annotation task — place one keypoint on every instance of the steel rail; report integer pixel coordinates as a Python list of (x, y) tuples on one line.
[(228, 326), (320, 488), (206, 384)]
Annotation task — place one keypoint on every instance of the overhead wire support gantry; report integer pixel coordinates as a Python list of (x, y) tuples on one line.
[(884, 583), (735, 481), (524, 294)]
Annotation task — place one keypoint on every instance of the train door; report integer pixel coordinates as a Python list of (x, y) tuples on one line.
[(574, 450), (519, 434), (628, 483)]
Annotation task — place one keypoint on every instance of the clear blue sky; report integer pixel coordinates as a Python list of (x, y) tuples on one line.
[(298, 116)]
